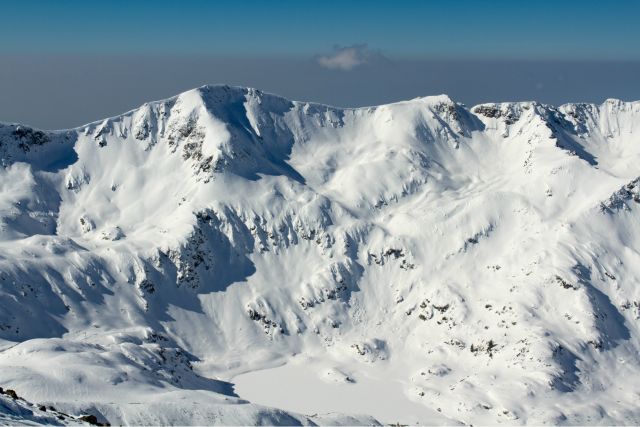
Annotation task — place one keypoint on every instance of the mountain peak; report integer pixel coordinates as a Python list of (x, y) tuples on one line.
[(196, 250)]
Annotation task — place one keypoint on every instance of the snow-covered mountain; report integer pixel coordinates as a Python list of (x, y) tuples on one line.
[(229, 256)]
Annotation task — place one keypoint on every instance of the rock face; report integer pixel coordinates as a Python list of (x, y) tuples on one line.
[(488, 255)]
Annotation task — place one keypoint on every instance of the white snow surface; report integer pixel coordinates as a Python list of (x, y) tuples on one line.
[(228, 256), (21, 412)]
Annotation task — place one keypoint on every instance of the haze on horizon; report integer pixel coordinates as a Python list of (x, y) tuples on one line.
[(66, 64)]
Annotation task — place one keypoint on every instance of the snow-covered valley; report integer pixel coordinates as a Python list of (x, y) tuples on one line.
[(228, 256)]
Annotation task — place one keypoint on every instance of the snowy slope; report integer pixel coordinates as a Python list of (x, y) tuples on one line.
[(14, 410), (209, 258)]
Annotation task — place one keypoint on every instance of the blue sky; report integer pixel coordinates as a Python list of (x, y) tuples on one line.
[(456, 28), (64, 63)]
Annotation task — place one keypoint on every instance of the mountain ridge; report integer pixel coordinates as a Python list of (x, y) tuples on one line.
[(174, 257), (437, 98)]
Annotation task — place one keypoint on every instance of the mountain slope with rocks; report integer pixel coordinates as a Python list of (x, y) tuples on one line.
[(228, 256)]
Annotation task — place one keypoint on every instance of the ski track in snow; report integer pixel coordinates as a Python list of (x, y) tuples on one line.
[(228, 256)]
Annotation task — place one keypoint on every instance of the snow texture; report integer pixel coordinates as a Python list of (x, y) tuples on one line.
[(228, 256)]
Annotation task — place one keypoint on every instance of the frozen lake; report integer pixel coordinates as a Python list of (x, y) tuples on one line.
[(315, 389)]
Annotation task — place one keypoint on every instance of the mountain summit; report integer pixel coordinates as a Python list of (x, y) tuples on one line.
[(228, 256)]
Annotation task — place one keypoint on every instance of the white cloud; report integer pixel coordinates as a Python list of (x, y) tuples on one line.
[(346, 58)]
